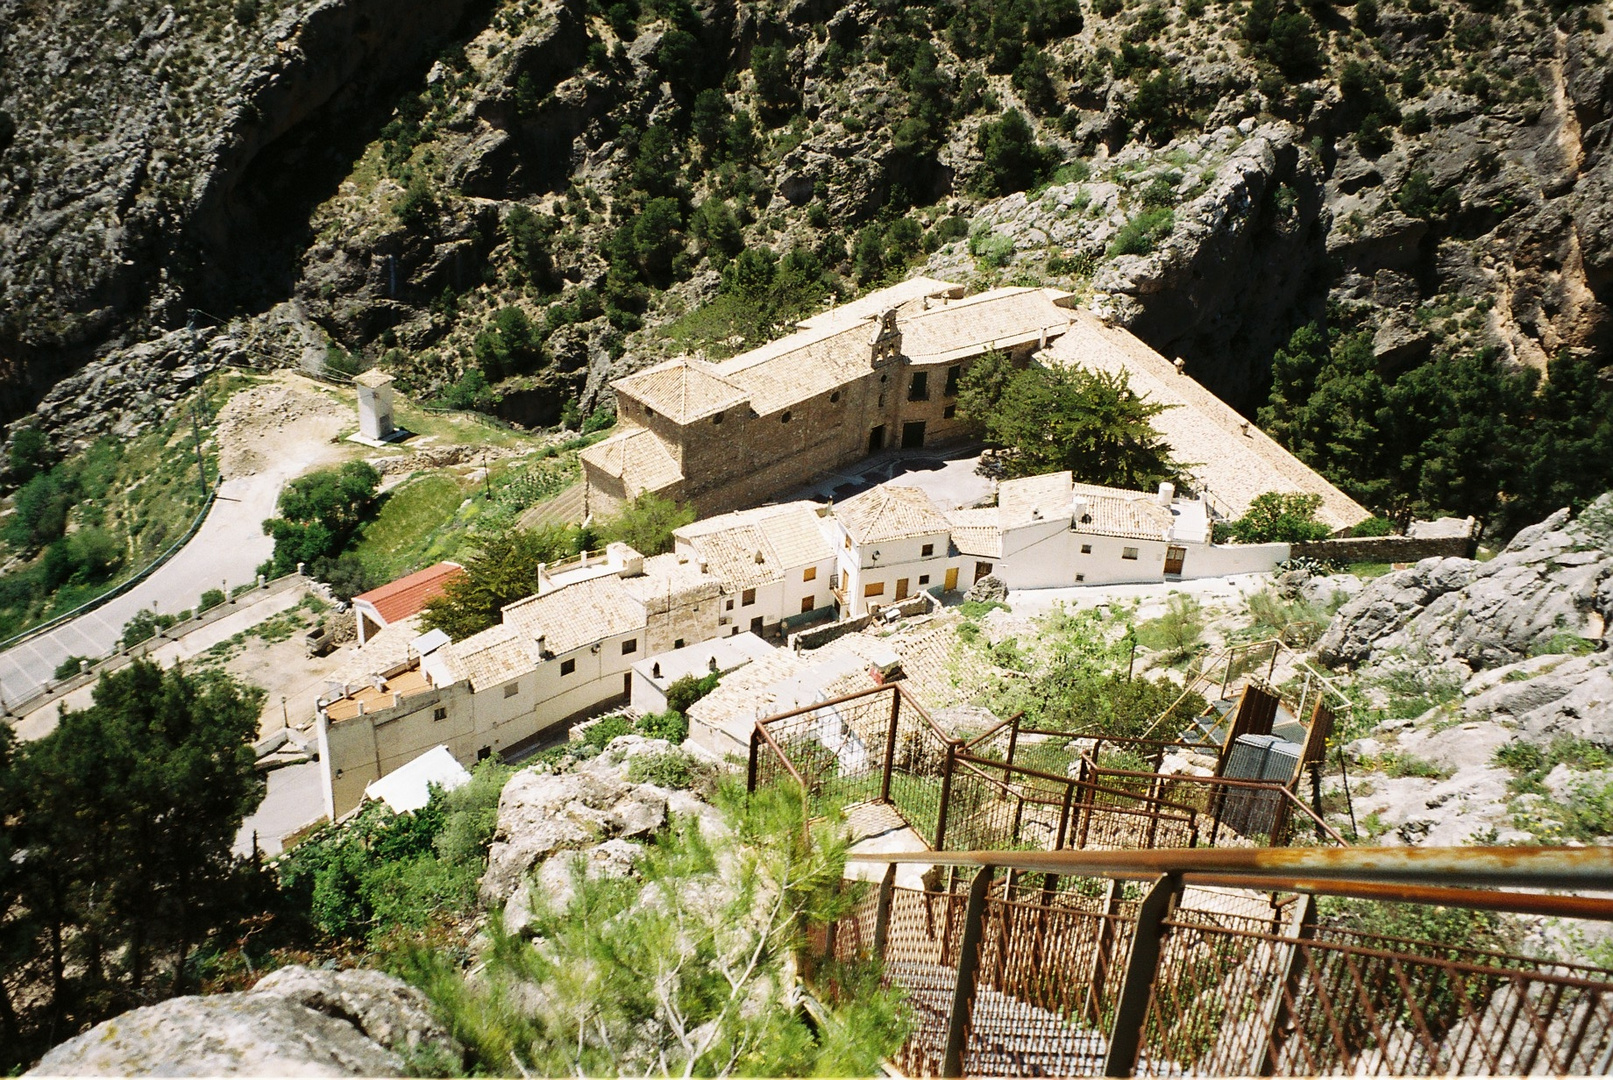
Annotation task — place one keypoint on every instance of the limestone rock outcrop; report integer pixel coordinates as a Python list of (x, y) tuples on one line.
[(295, 1022), (594, 809), (1554, 580)]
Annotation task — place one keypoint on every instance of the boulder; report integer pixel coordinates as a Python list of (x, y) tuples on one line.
[(385, 1008), (223, 1035), (540, 814), (988, 589)]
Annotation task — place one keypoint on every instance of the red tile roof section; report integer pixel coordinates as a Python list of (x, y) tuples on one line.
[(410, 595)]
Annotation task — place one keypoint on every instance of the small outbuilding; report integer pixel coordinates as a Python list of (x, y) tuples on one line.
[(375, 405), (397, 600)]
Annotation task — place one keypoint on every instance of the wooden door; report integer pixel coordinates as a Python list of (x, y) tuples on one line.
[(901, 588), (1174, 557), (952, 579)]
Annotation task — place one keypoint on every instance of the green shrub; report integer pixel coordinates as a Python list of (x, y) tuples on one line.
[(211, 598), (1374, 526), (1142, 234), (602, 732), (1178, 631), (69, 667), (1279, 517), (671, 725), (686, 691), (974, 609), (672, 770), (143, 626)]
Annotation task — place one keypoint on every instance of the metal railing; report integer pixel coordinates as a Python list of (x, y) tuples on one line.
[(1225, 964), (879, 745)]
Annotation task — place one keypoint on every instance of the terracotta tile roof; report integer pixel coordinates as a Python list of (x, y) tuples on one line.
[(787, 536), (383, 650), (410, 595), (1033, 498), (741, 556), (638, 458), (999, 318), (683, 390), (578, 614), (976, 531), (889, 512), (795, 530), (802, 366), (492, 657), (882, 300), (1116, 512), (1231, 458)]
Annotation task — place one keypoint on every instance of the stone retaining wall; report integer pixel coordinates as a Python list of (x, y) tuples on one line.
[(1404, 549)]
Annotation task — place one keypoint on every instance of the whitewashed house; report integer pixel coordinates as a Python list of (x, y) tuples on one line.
[(775, 563), (892, 542)]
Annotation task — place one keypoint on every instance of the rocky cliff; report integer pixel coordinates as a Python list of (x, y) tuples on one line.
[(1220, 174), (155, 159), (1498, 683)]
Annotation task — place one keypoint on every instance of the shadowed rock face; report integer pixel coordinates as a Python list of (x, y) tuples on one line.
[(295, 1022), (158, 158)]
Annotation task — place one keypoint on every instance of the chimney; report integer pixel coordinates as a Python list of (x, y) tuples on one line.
[(1078, 510), (1167, 492), (543, 646)]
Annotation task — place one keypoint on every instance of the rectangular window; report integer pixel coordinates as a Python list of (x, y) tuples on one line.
[(678, 644), (747, 598), (924, 579), (949, 412), (440, 712), (810, 574), (730, 605), (874, 588), (926, 551), (567, 667), (1080, 577), (953, 373), (1086, 549), (919, 388), (512, 689), (629, 646), (806, 604), (1128, 553), (848, 541)]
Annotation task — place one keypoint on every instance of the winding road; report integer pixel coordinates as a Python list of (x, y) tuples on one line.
[(260, 454), (225, 552)]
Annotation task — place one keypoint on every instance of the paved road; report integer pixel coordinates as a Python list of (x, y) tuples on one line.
[(296, 798), (225, 552)]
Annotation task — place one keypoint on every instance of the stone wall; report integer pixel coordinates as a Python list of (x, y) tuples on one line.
[(1394, 549)]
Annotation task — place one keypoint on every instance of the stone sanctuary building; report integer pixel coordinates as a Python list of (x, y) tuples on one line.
[(879, 372), (883, 372)]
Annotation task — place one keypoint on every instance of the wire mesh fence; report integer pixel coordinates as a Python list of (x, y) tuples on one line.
[(1245, 982), (1236, 999)]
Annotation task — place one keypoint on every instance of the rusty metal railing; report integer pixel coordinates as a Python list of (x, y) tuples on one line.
[(1227, 963), (879, 745)]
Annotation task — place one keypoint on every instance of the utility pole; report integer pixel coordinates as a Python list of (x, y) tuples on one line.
[(201, 462)]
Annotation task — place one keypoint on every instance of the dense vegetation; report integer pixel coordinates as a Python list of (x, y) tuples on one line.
[(1462, 434), (115, 849), (83, 519), (683, 968), (503, 567), (319, 513), (1054, 418)]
